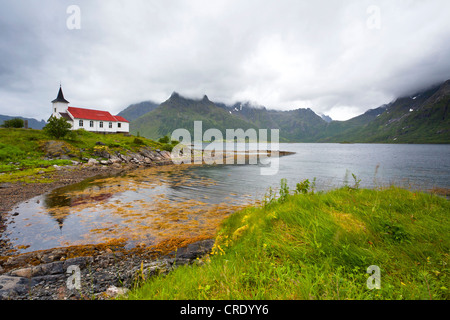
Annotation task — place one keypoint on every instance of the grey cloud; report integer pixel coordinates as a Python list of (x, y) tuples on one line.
[(281, 54)]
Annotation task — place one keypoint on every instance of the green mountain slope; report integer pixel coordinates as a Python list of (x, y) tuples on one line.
[(136, 110), (179, 112), (419, 118), (300, 125), (422, 118)]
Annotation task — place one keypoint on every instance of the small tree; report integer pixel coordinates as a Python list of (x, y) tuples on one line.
[(13, 123), (164, 139), (57, 127)]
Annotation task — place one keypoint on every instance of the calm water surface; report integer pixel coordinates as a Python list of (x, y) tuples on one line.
[(150, 205)]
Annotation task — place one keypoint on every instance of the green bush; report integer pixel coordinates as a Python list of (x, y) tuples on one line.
[(57, 127), (167, 147), (302, 187), (164, 139), (13, 123)]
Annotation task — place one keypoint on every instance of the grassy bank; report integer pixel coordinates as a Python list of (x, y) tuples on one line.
[(23, 151), (319, 246)]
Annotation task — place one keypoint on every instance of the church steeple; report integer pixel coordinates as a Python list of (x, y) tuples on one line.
[(60, 104), (60, 97)]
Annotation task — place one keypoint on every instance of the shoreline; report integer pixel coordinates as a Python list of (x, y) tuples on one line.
[(13, 193), (42, 274), (32, 275), (104, 267)]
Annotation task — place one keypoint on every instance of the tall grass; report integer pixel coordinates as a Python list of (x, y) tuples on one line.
[(319, 246)]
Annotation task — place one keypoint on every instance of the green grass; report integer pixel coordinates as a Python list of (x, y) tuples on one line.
[(114, 142), (319, 246), (22, 151)]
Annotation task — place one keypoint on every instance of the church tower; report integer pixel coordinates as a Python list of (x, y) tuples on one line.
[(59, 104)]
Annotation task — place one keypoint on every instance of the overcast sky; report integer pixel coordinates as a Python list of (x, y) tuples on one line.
[(339, 58)]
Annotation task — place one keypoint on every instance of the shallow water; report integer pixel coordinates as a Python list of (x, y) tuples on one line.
[(150, 205)]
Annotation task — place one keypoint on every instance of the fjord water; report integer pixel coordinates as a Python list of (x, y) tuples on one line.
[(418, 167), (147, 206)]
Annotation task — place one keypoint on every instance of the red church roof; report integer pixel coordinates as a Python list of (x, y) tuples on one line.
[(89, 114), (122, 119)]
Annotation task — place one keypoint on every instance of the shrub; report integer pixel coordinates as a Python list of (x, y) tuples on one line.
[(302, 187), (164, 139), (57, 128), (13, 123), (167, 147)]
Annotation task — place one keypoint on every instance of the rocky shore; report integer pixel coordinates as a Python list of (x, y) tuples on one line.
[(104, 270), (102, 275)]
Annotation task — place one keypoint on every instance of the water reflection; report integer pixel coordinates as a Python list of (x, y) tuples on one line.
[(150, 205), (64, 198), (145, 207)]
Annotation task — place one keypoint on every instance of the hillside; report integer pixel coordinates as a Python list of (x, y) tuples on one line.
[(28, 155), (178, 112), (300, 125), (419, 118), (136, 110)]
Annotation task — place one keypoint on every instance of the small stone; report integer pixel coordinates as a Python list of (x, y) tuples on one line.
[(92, 161), (11, 286), (117, 166), (53, 268), (115, 159), (114, 291), (78, 261), (24, 273)]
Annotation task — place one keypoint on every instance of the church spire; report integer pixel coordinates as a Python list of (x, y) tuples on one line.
[(60, 97)]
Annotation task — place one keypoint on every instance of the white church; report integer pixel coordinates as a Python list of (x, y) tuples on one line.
[(88, 119)]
